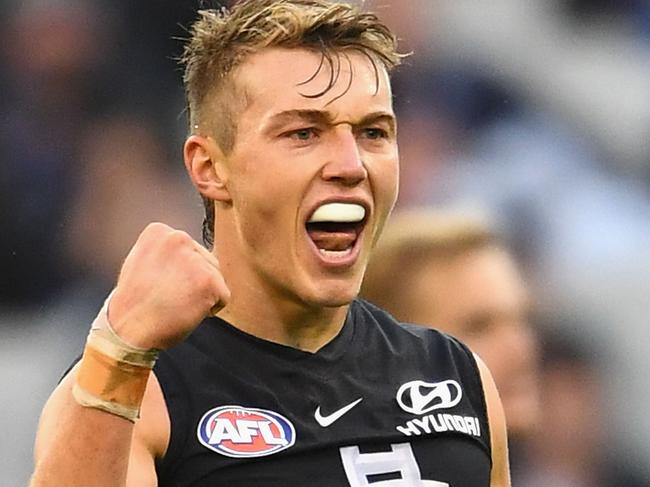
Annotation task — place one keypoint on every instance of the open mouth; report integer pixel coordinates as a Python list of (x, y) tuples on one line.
[(334, 228)]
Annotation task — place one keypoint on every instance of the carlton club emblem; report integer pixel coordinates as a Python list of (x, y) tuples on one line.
[(419, 397), (240, 432)]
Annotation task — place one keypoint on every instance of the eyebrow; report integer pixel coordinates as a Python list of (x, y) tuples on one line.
[(277, 120)]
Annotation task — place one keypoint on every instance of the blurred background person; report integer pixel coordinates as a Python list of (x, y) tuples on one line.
[(573, 447), (54, 56), (449, 271)]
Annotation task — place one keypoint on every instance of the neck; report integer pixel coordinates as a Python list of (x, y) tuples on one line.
[(302, 327), (260, 308)]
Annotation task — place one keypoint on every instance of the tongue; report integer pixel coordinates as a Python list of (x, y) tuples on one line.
[(340, 240)]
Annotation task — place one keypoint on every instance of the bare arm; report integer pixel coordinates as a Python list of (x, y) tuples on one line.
[(167, 284), (79, 446), (500, 476)]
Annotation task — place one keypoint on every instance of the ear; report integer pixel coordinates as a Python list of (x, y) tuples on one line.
[(205, 163)]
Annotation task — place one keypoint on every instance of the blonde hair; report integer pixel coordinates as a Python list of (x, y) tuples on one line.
[(220, 40), (411, 238)]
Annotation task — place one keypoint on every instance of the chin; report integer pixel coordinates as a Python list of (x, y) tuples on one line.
[(333, 300), (333, 296)]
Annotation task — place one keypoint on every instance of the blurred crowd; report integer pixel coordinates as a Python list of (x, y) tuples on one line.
[(531, 115)]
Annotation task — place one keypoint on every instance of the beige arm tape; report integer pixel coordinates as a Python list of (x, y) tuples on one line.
[(113, 374)]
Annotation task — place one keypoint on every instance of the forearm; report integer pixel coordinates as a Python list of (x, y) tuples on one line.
[(87, 427), (87, 435), (79, 446)]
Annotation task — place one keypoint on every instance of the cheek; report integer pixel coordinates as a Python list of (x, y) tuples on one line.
[(386, 182), (498, 365), (384, 185), (264, 211), (505, 361), (252, 207)]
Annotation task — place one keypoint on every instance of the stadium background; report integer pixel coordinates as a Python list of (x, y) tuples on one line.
[(535, 113)]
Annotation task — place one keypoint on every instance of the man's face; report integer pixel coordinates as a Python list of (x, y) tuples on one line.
[(480, 298), (312, 179)]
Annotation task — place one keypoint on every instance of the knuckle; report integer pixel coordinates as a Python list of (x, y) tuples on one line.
[(156, 228), (204, 279), (152, 234), (225, 294), (178, 238)]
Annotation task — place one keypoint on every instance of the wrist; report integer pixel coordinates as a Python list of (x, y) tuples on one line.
[(113, 374), (123, 321)]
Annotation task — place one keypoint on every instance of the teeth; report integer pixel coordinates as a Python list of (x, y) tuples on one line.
[(339, 213), (335, 253)]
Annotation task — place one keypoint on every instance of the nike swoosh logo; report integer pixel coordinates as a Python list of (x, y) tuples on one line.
[(325, 421)]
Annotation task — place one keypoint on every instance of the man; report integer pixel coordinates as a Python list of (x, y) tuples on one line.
[(457, 276), (290, 382)]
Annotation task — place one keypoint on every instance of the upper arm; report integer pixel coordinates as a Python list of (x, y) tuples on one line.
[(62, 416), (500, 476)]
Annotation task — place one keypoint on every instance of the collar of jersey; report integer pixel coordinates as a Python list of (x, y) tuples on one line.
[(330, 352)]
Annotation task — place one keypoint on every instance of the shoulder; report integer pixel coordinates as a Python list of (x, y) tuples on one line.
[(410, 334), (423, 358), (421, 344), (417, 345)]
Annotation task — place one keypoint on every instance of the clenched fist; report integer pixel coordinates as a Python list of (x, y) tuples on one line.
[(167, 285)]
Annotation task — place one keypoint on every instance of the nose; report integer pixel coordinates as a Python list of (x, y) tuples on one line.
[(344, 159)]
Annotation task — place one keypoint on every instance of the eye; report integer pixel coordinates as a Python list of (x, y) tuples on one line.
[(478, 325), (375, 133), (303, 134)]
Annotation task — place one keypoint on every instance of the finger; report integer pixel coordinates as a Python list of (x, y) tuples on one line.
[(209, 256), (214, 311), (221, 293)]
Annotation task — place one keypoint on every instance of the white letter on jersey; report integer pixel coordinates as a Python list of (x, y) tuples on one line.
[(358, 466), (267, 434), (224, 430), (243, 431)]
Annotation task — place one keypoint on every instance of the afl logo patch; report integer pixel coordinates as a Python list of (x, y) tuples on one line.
[(239, 432)]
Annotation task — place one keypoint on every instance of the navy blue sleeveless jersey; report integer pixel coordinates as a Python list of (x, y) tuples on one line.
[(383, 404)]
